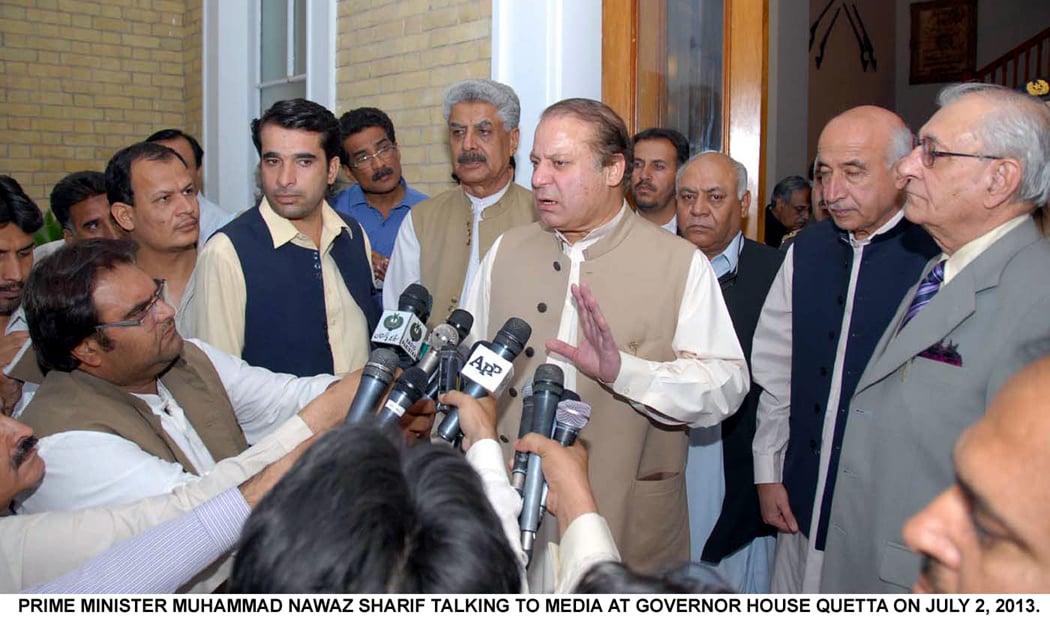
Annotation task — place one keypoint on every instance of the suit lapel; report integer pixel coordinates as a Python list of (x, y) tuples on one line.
[(947, 310)]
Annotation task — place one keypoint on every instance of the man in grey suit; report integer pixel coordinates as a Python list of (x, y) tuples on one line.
[(972, 182)]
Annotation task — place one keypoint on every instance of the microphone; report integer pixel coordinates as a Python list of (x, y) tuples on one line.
[(463, 321), (521, 458), (488, 369), (572, 416), (375, 379), (403, 329), (408, 389), (441, 337), (547, 386)]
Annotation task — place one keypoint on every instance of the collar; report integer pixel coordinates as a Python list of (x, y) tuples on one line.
[(886, 227), (356, 195), (479, 204), (282, 231), (969, 252), (727, 261), (594, 235)]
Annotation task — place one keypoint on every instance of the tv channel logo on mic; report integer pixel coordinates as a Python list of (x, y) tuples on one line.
[(400, 329)]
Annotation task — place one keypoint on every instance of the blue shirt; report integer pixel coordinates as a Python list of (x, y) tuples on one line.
[(726, 262), (381, 231)]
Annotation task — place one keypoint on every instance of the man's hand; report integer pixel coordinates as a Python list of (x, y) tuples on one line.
[(565, 469), (418, 420), (597, 354), (379, 265), (477, 418), (776, 510), (328, 409)]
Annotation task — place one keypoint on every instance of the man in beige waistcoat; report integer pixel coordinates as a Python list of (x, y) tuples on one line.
[(441, 242), (659, 355)]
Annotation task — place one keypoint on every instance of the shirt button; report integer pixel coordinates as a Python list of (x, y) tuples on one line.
[(529, 352), (542, 307), (823, 371), (557, 265), (816, 408), (503, 438), (512, 392), (831, 335)]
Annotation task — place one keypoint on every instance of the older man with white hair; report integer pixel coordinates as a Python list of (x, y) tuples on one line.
[(972, 181), (441, 242)]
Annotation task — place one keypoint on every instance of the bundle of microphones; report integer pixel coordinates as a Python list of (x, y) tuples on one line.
[(442, 363)]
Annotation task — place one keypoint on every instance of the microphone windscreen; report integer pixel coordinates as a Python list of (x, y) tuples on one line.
[(514, 334), (573, 414), (416, 298), (548, 373), (462, 320), (382, 364), (444, 335)]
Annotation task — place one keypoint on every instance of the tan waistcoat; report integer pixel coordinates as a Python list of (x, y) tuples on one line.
[(77, 401), (638, 274), (443, 228)]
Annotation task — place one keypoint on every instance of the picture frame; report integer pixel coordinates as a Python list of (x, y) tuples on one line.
[(943, 41)]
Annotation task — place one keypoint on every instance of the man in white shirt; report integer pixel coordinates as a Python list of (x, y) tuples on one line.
[(657, 356), (212, 217), (128, 409), (442, 240)]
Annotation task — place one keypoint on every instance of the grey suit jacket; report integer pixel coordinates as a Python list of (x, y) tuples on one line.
[(909, 408)]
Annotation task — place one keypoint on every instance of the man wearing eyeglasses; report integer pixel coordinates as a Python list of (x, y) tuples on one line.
[(968, 322), (441, 242), (381, 198), (128, 408), (835, 293)]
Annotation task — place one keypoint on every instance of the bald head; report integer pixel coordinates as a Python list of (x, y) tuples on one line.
[(855, 157), (711, 200), (990, 531)]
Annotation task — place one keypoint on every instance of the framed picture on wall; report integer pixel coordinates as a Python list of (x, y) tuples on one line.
[(943, 40)]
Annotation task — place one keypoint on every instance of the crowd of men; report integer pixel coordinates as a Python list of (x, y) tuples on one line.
[(803, 415)]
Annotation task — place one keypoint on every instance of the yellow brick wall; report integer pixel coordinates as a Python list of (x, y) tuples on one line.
[(399, 56), (81, 79)]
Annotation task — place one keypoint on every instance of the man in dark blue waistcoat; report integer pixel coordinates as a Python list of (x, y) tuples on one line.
[(288, 285), (837, 290)]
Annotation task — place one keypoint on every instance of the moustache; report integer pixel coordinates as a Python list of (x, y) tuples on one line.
[(645, 185), (382, 173), (25, 445), (12, 286), (467, 158)]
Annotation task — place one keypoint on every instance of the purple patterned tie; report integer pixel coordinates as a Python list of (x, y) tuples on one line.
[(928, 287)]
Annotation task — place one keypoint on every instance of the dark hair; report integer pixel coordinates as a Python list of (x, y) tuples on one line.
[(118, 171), (17, 208), (674, 137), (359, 513), (58, 298), (786, 187), (610, 133), (300, 114), (170, 134), (613, 577), (73, 189)]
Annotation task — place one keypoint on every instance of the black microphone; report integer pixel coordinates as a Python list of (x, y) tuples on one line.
[(521, 458), (547, 386), (488, 370), (408, 389), (403, 329), (463, 321), (375, 379)]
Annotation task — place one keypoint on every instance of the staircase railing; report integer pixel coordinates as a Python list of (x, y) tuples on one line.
[(1031, 58)]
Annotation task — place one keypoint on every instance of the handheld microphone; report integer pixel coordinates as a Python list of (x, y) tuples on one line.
[(547, 386), (488, 369), (572, 416), (375, 379), (463, 321), (403, 329), (408, 389), (441, 337), (521, 458)]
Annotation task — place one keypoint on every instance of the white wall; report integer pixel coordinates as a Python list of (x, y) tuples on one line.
[(546, 50), (788, 92)]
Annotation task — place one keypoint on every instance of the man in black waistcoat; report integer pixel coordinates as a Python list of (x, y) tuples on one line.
[(288, 284), (836, 292), (725, 521)]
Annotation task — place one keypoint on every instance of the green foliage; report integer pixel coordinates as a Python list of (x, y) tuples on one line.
[(52, 230)]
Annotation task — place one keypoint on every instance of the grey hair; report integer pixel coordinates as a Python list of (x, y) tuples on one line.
[(508, 107), (901, 144), (741, 171), (1018, 126)]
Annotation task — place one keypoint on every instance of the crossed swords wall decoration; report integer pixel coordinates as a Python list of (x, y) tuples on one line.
[(867, 51)]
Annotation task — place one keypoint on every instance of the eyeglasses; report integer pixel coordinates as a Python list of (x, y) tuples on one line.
[(382, 152), (930, 155), (141, 317)]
